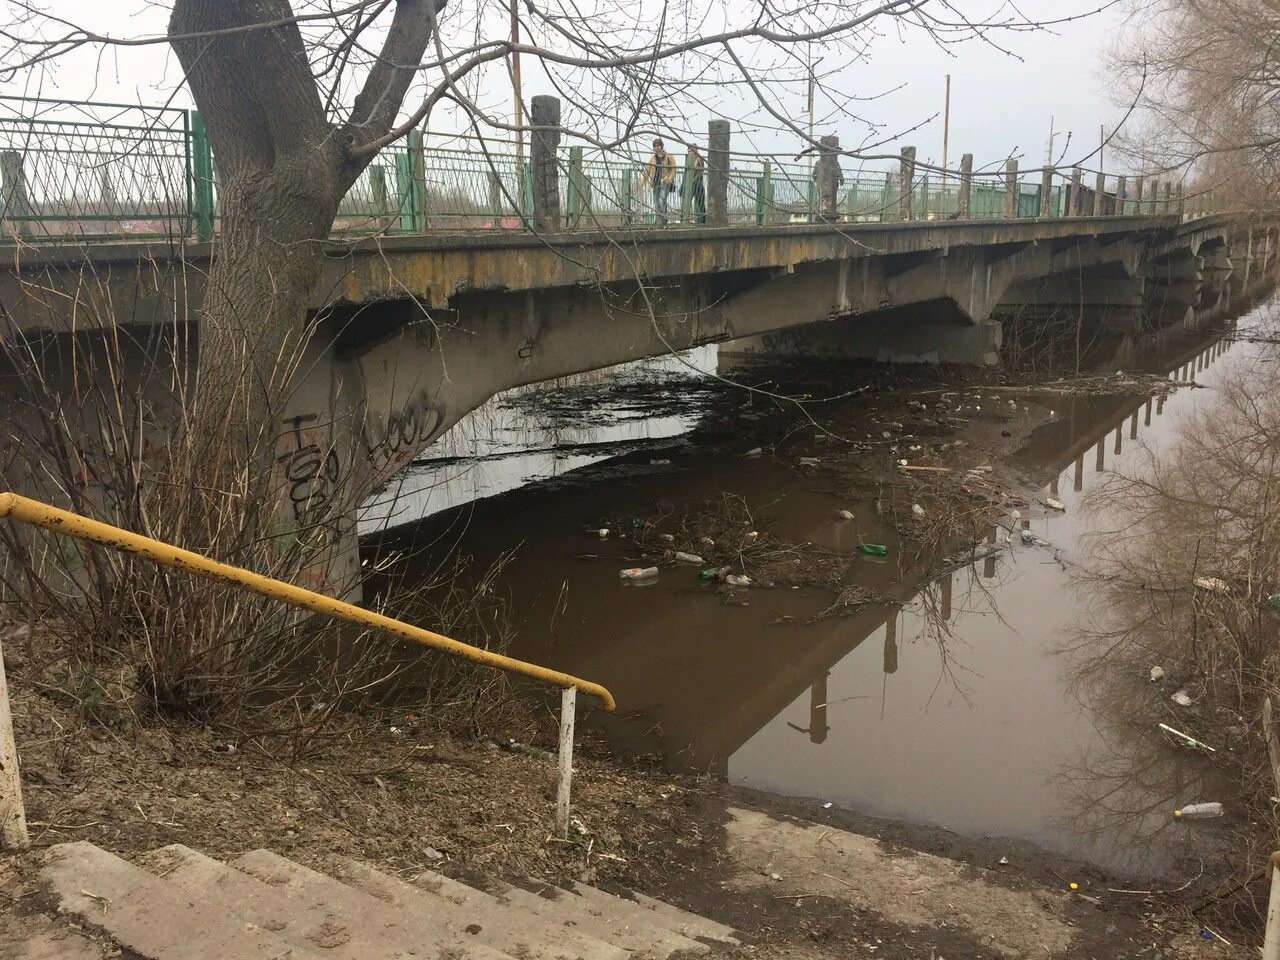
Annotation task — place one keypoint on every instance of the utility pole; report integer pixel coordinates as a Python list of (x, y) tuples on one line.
[(809, 145), (946, 126), (1048, 150), (518, 109), (946, 134), (1102, 144)]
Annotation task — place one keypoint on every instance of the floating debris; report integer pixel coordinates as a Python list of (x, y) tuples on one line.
[(1212, 584), (638, 573)]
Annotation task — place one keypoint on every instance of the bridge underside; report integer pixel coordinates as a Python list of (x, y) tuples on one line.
[(399, 354)]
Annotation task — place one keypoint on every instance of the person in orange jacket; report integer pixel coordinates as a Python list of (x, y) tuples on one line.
[(660, 176)]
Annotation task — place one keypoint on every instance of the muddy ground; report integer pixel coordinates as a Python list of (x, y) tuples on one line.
[(407, 798)]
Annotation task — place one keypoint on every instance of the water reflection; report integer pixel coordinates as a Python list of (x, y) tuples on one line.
[(542, 432), (946, 704), (978, 729)]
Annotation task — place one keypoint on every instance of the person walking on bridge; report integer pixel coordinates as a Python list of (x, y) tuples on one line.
[(660, 176)]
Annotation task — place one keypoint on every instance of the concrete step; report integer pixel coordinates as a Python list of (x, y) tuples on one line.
[(149, 916), (681, 921), (619, 927), (354, 909), (515, 932), (332, 917), (178, 904)]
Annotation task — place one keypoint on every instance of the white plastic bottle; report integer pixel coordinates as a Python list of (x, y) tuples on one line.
[(1199, 811), (638, 573)]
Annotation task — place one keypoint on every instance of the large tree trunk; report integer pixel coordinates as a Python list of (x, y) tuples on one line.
[(281, 173), (283, 168)]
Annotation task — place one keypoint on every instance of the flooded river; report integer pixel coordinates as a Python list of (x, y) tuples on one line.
[(957, 705)]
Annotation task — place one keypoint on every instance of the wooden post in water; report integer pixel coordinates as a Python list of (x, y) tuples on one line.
[(13, 815), (568, 704)]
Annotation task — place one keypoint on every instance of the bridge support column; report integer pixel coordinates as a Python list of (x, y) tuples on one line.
[(931, 332), (544, 116), (1103, 300)]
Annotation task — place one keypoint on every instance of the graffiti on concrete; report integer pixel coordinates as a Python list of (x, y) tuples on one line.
[(403, 436)]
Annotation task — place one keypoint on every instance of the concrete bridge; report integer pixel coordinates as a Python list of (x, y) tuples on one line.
[(413, 331)]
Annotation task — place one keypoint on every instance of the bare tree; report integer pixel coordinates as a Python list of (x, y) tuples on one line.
[(1206, 77)]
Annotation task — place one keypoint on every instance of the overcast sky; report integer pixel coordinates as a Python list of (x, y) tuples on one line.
[(1000, 103)]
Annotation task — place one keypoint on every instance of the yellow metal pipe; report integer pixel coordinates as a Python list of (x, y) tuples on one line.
[(73, 525)]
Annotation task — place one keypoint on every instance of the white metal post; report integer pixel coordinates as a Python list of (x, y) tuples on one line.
[(13, 816), (568, 704), (1271, 945)]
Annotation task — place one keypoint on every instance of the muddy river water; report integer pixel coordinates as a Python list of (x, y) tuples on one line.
[(955, 706)]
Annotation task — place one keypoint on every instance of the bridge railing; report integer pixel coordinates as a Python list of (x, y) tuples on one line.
[(76, 171)]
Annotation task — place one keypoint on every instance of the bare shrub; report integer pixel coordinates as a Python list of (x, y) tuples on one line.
[(94, 428)]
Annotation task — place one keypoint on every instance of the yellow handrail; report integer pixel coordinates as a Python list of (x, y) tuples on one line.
[(73, 525)]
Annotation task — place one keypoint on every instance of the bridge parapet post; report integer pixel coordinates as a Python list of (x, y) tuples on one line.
[(577, 192), (1138, 183), (906, 183), (1100, 194), (964, 193), (718, 173), (1122, 184), (1046, 190), (827, 173), (1010, 189), (764, 195), (1167, 207), (1180, 203), (1075, 202), (15, 204), (544, 117)]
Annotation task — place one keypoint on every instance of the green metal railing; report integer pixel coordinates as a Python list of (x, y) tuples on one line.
[(74, 171)]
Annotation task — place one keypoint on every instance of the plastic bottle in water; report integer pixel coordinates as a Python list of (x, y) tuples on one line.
[(1199, 811), (638, 573)]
